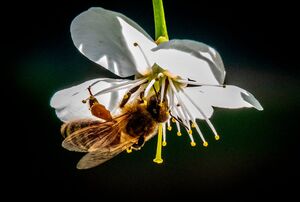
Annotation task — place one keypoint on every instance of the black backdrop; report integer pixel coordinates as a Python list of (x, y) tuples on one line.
[(258, 152)]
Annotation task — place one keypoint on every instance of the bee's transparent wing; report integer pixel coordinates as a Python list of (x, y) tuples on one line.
[(82, 140), (95, 136), (70, 127), (95, 158)]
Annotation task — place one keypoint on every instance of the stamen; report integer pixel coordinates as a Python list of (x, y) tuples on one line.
[(200, 134), (178, 119), (158, 158), (217, 137), (162, 92), (188, 116), (128, 94), (182, 117), (193, 143), (143, 53), (147, 90), (169, 125), (197, 83), (184, 108), (178, 129), (171, 98), (117, 86), (186, 113), (164, 143), (138, 93), (189, 130), (116, 80)]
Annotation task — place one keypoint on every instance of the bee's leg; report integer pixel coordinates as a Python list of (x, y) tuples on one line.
[(166, 90), (98, 109), (142, 93), (128, 95), (139, 144), (156, 93)]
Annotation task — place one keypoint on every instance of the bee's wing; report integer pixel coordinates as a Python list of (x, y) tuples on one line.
[(73, 126), (102, 155), (97, 157), (81, 140), (95, 136)]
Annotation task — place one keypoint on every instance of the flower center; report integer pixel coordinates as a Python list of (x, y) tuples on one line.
[(170, 93)]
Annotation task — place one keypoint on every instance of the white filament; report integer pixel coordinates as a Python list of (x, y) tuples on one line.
[(199, 132), (148, 88), (197, 83), (186, 116), (120, 86), (202, 113)]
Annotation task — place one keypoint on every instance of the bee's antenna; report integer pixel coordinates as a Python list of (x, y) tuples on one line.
[(89, 89), (156, 93), (91, 94), (179, 121), (166, 87)]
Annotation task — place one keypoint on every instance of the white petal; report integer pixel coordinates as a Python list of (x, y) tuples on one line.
[(228, 97), (68, 102), (201, 104), (107, 38), (143, 56), (191, 59)]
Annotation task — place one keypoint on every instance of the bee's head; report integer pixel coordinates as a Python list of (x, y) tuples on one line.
[(159, 111)]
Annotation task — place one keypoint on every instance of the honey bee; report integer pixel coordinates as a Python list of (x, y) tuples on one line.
[(130, 129)]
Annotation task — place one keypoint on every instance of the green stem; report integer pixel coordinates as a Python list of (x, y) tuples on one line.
[(161, 34)]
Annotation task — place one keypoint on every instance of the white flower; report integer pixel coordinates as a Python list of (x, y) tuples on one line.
[(191, 74)]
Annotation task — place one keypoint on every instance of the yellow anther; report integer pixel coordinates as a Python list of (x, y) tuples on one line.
[(205, 144), (193, 125), (193, 144), (169, 128), (167, 113), (190, 132), (217, 137), (173, 120), (179, 133), (164, 143), (129, 150)]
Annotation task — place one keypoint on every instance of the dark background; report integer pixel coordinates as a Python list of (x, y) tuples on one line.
[(258, 153)]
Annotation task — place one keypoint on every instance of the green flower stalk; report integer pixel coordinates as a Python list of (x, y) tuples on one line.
[(161, 33)]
